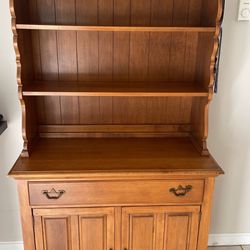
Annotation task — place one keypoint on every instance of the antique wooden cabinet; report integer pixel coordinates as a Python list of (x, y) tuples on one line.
[(114, 97)]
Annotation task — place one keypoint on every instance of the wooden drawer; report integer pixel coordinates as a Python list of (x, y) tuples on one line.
[(116, 192)]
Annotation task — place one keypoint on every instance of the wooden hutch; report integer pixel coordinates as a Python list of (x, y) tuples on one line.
[(114, 97)]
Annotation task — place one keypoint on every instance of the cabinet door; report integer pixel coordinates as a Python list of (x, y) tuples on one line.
[(74, 229), (96, 229), (160, 228)]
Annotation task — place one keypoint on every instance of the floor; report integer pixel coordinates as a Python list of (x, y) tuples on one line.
[(230, 248)]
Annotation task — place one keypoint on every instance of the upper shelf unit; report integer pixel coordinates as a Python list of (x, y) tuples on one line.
[(111, 14)]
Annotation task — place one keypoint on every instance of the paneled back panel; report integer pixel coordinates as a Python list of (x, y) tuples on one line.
[(109, 56), (123, 12), (114, 110)]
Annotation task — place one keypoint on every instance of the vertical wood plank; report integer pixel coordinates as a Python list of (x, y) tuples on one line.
[(139, 56), (88, 57), (180, 13), (157, 109), (38, 233), (159, 56), (87, 48), (206, 214), (121, 52), (185, 110), (106, 110), (139, 42), (75, 243), (162, 12), (89, 110), (121, 56), (105, 17), (67, 62), (35, 42), (118, 227), (26, 215), (89, 15), (46, 11), (105, 12), (190, 57), (67, 55), (48, 48), (121, 41), (122, 12), (65, 11), (36, 54), (49, 58), (140, 12), (87, 42), (194, 12), (160, 226), (173, 109), (177, 53), (52, 103), (70, 110), (130, 110), (41, 113), (193, 230), (105, 56), (67, 59)]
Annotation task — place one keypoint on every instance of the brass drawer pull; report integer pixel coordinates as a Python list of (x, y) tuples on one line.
[(53, 194), (181, 191)]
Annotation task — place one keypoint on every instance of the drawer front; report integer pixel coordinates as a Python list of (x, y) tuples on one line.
[(116, 192)]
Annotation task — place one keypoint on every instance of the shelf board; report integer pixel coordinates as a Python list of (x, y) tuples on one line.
[(83, 157), (113, 89), (114, 28)]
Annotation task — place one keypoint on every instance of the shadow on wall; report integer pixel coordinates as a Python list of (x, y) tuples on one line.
[(229, 135)]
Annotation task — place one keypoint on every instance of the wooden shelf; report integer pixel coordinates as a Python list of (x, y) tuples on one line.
[(113, 89), (73, 157), (114, 28)]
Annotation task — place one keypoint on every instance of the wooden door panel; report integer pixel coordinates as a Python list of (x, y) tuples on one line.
[(53, 233), (142, 232), (90, 230), (177, 232), (56, 234), (74, 229), (96, 229), (160, 228)]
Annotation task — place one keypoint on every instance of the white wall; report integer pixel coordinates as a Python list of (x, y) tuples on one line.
[(229, 133), (229, 139), (10, 140)]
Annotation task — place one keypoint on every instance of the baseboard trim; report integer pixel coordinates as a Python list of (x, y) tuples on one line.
[(214, 240), (15, 245), (229, 239)]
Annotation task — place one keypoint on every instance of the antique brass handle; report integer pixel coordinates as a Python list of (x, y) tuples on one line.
[(181, 191), (53, 194)]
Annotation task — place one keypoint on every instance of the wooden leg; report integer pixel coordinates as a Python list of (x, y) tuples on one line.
[(206, 214), (26, 216)]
